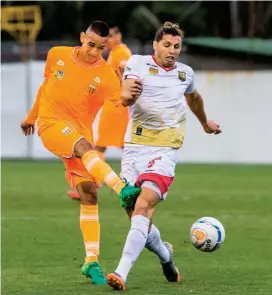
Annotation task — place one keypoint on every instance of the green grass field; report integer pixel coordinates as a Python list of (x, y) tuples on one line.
[(42, 247)]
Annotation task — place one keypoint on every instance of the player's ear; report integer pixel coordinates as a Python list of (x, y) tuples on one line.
[(155, 45), (180, 46), (82, 37)]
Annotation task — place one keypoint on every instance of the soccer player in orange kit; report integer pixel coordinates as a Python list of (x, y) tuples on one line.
[(77, 82), (112, 121), (116, 118)]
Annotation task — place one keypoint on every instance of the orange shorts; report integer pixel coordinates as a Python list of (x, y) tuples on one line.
[(112, 126), (77, 173), (59, 138)]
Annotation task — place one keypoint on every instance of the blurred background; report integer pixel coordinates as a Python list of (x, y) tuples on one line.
[(228, 44), (230, 28)]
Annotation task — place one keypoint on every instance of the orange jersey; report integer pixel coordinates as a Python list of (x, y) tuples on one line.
[(72, 92), (118, 57), (114, 118)]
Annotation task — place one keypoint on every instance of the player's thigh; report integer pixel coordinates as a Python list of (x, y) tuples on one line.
[(129, 171), (60, 138), (157, 169)]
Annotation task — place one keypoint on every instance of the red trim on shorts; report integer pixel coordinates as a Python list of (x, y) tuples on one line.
[(163, 182)]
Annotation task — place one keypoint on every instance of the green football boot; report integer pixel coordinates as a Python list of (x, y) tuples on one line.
[(128, 196), (93, 271)]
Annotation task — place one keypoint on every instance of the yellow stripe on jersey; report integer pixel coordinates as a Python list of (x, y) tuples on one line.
[(169, 137)]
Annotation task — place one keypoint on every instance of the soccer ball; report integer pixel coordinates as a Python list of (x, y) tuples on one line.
[(207, 234)]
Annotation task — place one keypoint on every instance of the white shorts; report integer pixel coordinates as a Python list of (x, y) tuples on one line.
[(149, 166)]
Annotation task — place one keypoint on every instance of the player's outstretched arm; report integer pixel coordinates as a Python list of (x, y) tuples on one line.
[(28, 125), (196, 105), (131, 89)]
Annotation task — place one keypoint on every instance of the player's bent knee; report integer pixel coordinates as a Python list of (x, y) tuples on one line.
[(81, 147), (146, 210), (146, 202), (149, 196), (100, 149), (141, 208), (88, 193)]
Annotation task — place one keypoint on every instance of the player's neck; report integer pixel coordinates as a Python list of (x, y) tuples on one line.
[(160, 64), (79, 57)]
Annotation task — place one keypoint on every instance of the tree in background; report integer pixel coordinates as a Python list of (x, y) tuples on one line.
[(63, 20)]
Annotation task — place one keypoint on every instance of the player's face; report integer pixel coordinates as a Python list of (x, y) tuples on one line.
[(114, 39), (92, 46), (167, 50)]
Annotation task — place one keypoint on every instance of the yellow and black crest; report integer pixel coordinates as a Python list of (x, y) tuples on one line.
[(153, 71), (182, 76), (92, 89)]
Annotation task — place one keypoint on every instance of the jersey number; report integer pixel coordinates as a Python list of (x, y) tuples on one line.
[(152, 162)]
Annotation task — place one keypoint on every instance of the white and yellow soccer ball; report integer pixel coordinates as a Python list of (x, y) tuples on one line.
[(207, 234)]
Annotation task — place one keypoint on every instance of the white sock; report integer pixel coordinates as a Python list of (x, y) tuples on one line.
[(155, 245), (135, 243)]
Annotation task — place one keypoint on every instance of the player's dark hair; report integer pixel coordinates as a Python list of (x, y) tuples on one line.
[(100, 28), (168, 28)]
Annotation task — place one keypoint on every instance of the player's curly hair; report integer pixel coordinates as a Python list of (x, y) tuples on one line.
[(168, 28), (100, 28)]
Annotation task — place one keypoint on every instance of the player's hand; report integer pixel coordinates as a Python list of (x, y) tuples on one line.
[(136, 88), (212, 128), (131, 89), (27, 129)]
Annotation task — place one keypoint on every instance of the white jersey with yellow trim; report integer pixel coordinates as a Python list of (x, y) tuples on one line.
[(158, 116)]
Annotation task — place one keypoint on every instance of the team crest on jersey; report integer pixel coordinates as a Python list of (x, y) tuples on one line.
[(66, 131), (153, 71), (92, 89), (59, 74), (182, 76)]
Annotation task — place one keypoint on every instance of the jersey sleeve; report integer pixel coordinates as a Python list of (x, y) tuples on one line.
[(112, 60), (118, 60), (33, 113), (111, 91), (191, 87), (132, 69), (123, 57)]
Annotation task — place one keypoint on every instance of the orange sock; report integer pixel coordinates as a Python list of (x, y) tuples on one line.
[(102, 171), (90, 228)]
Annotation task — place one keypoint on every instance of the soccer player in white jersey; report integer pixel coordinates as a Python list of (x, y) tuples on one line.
[(155, 133)]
